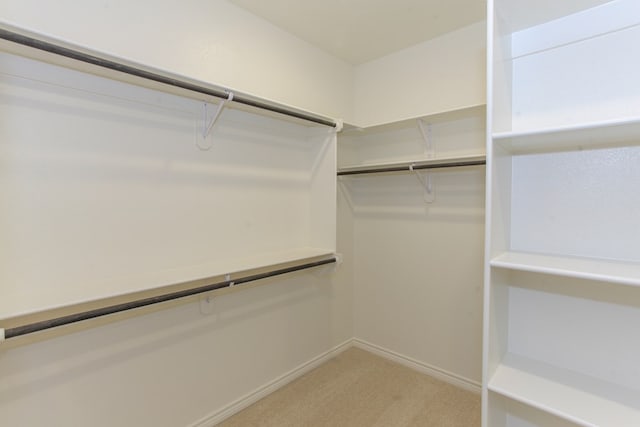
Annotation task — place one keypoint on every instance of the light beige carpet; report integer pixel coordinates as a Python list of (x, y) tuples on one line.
[(359, 389)]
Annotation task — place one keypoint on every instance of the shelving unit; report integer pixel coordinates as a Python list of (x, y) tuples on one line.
[(562, 264), (438, 142), (113, 164)]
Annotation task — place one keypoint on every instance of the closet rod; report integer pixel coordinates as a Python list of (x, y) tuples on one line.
[(137, 72), (103, 311), (427, 164)]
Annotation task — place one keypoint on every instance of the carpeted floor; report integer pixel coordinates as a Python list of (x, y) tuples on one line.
[(359, 389)]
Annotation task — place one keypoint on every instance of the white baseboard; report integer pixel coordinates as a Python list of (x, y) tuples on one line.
[(416, 365), (220, 415)]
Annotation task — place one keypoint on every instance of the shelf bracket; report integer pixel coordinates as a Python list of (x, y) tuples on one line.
[(227, 278), (208, 126), (427, 183), (425, 131)]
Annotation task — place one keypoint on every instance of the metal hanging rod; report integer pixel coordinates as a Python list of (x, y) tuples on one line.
[(137, 72), (412, 166), (104, 311)]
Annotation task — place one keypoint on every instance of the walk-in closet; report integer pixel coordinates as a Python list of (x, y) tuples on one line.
[(338, 213)]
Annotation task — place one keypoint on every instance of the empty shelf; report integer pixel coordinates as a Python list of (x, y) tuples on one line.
[(626, 273), (613, 133), (584, 400)]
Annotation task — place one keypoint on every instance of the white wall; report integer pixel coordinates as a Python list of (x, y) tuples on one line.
[(442, 74), (418, 272), (418, 266), (210, 40)]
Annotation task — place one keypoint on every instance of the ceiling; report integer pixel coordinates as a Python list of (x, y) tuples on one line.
[(358, 31)]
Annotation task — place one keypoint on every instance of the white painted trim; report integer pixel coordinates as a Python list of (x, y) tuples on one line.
[(238, 405), (422, 367)]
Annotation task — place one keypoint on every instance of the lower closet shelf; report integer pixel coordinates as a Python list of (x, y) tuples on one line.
[(626, 273), (185, 282), (581, 399)]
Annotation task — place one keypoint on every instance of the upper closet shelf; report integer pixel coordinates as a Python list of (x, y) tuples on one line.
[(431, 118), (613, 133), (414, 165), (22, 42), (626, 273)]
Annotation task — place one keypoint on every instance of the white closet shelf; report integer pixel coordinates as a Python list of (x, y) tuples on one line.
[(406, 165), (166, 281), (433, 118), (201, 280), (26, 43), (582, 399), (275, 259), (626, 273), (613, 133)]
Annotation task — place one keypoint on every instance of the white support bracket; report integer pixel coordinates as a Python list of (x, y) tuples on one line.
[(427, 183), (2, 337), (227, 278), (425, 130), (208, 126)]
